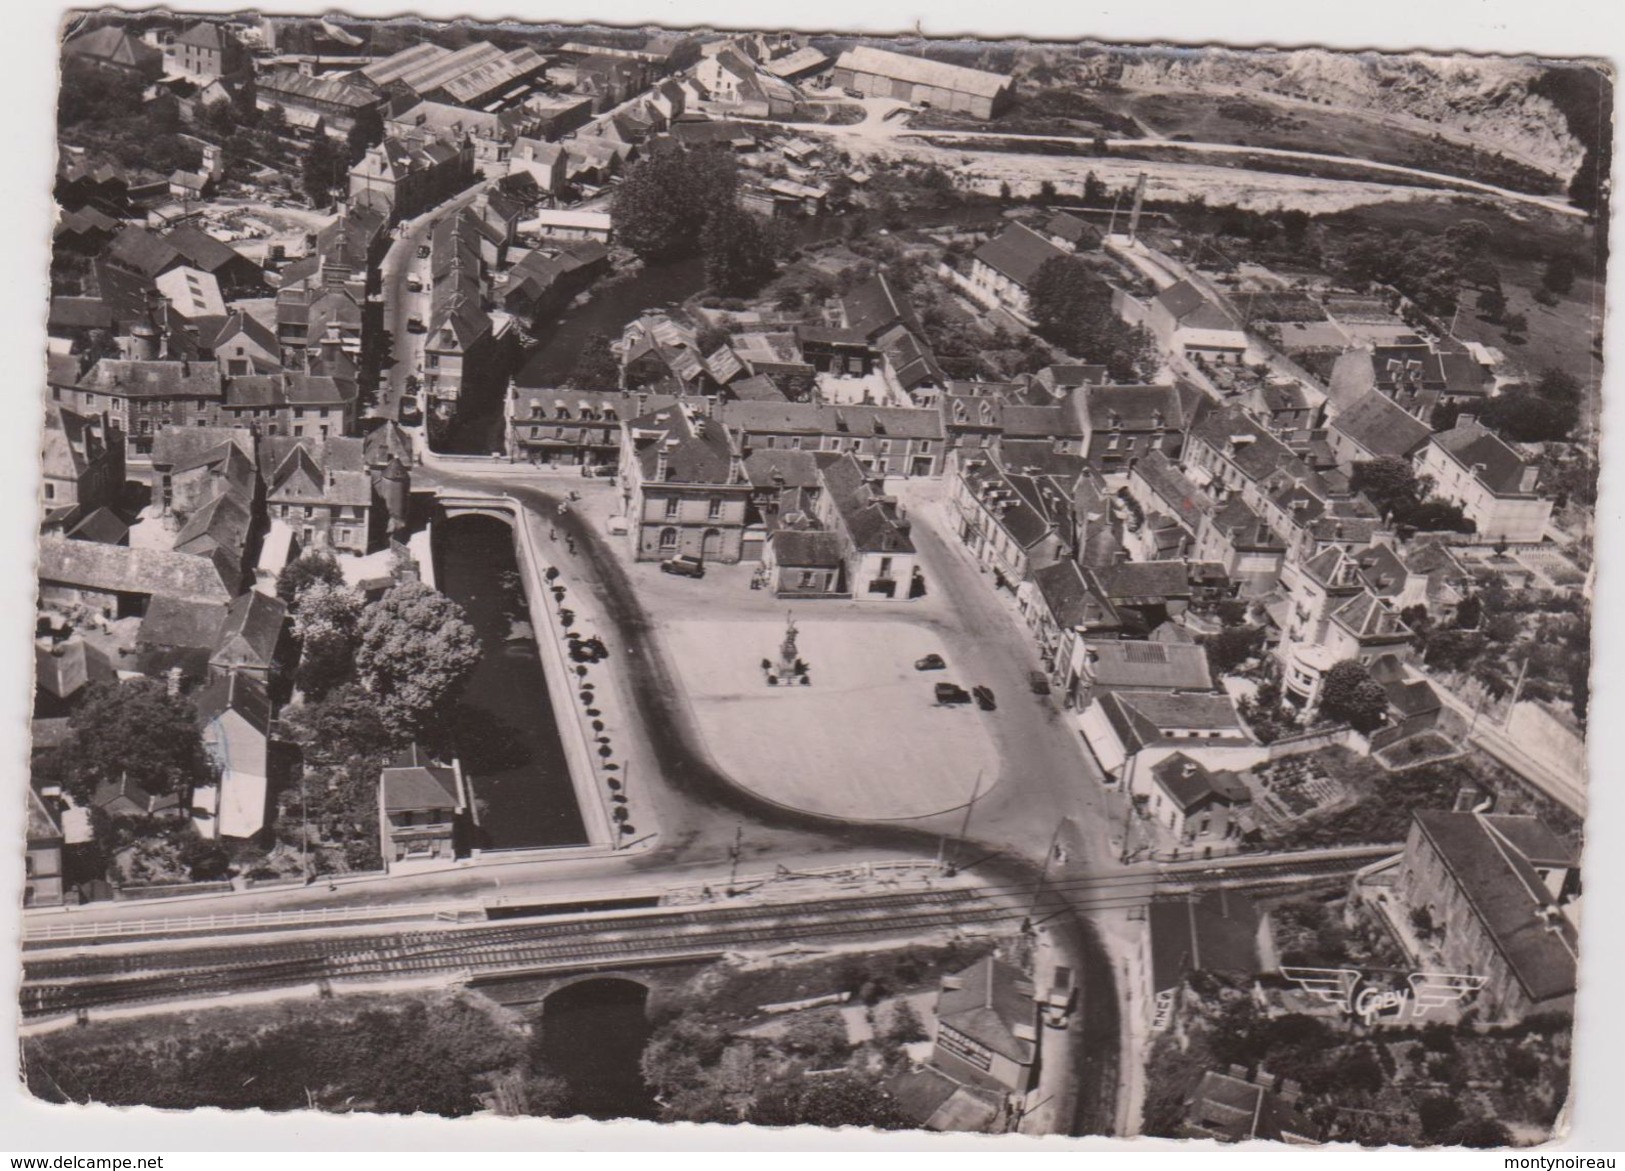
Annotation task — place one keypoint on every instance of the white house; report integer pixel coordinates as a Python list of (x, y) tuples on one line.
[(1494, 486)]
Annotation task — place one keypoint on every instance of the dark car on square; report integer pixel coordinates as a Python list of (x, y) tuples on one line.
[(683, 565), (930, 663), (950, 693), (984, 697)]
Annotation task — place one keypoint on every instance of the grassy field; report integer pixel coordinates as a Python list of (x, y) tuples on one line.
[(1560, 335), (1213, 118)]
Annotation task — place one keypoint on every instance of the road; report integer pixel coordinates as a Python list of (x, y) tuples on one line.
[(1559, 784), (876, 128), (400, 303)]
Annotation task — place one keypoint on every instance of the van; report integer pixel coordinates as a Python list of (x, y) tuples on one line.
[(1062, 995)]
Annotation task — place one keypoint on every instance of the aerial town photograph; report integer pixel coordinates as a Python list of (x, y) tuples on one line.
[(762, 579)]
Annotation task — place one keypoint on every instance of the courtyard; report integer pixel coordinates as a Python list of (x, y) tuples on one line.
[(863, 740)]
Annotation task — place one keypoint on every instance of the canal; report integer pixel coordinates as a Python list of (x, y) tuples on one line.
[(507, 738), (477, 429), (592, 1036)]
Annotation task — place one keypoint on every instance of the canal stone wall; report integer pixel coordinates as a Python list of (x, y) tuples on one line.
[(575, 735)]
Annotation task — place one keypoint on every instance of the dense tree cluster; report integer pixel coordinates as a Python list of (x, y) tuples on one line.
[(1545, 412), (135, 731), (416, 650), (1072, 305), (1392, 485), (1351, 695), (428, 1056), (104, 110)]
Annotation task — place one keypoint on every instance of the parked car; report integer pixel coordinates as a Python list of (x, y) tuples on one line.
[(423, 252), (854, 93), (1039, 682), (410, 411), (415, 325), (952, 693), (683, 565), (1062, 995), (930, 663), (413, 285), (984, 697)]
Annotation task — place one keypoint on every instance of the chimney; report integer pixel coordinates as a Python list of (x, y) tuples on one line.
[(172, 681), (662, 471), (1466, 420), (1239, 1072), (1290, 1091), (1529, 477), (1266, 1080)]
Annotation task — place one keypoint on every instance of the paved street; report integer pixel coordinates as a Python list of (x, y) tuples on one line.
[(400, 303)]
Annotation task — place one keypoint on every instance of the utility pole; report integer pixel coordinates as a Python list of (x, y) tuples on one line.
[(964, 826), (1043, 875), (1517, 690), (733, 858)]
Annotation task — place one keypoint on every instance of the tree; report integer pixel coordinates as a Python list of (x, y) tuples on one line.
[(323, 169), (343, 725), (1516, 325), (1525, 417), (1558, 275), (1438, 1113), (1493, 303), (1389, 483), (204, 860), (416, 650), (135, 731), (327, 624), (1046, 192), (366, 133), (1350, 694), (738, 254), (819, 1036), (596, 366), (1482, 1133), (666, 198), (314, 566), (1231, 647), (1072, 306), (905, 1025)]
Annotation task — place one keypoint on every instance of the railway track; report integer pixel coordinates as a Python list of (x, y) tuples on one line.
[(71, 983)]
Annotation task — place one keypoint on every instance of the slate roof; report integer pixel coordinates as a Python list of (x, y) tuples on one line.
[(113, 44), (1065, 593), (701, 454), (1070, 228), (410, 782), (1234, 1109), (992, 999), (158, 380), (202, 250), (1485, 855), (1215, 932), (1130, 580), (79, 313), (1134, 664), (1381, 427), (1367, 618), (1189, 306), (142, 251), (1172, 490), (1146, 717), (1134, 408), (181, 622), (121, 570), (807, 548), (254, 623), (872, 522), (1495, 464), (875, 306), (1191, 786), (776, 467), (236, 692), (1017, 253), (181, 448)]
